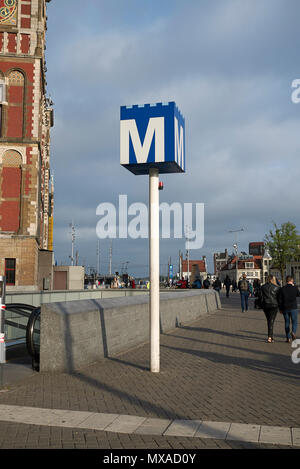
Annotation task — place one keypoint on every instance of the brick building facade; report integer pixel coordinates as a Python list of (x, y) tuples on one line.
[(26, 116)]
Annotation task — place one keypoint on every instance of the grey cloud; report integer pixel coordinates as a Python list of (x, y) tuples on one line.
[(228, 65)]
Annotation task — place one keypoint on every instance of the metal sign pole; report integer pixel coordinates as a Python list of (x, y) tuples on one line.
[(154, 269), (152, 141)]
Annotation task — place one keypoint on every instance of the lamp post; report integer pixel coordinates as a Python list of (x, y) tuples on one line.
[(71, 225), (237, 262), (236, 252)]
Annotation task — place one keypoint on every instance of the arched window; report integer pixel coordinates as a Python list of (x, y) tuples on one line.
[(10, 191), (15, 98), (12, 159)]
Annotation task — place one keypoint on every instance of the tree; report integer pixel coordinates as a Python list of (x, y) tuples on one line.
[(283, 244)]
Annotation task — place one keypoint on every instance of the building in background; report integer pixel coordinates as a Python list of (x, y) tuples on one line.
[(293, 269), (256, 265), (257, 248), (193, 268), (220, 260), (247, 264), (26, 116)]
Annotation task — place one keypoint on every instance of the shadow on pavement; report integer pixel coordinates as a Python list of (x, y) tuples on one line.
[(244, 362)]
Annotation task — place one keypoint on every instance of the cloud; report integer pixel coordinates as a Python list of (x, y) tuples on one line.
[(229, 67)]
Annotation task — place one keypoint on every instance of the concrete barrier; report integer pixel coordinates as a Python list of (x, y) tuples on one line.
[(78, 333), (41, 297)]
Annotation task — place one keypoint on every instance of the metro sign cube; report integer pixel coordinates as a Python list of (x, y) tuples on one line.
[(152, 136)]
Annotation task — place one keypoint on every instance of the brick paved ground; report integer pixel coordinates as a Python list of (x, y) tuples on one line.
[(219, 368)]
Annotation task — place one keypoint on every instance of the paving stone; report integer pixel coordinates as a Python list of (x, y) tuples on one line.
[(296, 436), (275, 435), (243, 432), (215, 430), (98, 421), (153, 426), (125, 424), (70, 418), (29, 415), (183, 428)]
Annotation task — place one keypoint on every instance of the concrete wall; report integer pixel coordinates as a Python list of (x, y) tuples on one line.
[(74, 277), (45, 270), (41, 297), (76, 334)]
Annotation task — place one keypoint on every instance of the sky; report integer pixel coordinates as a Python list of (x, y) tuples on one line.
[(229, 66)]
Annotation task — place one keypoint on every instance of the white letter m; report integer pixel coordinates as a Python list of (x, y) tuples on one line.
[(128, 129)]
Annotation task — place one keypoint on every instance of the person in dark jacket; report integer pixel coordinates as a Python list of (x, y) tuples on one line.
[(270, 300), (257, 294), (244, 289), (197, 283), (227, 283), (217, 284), (206, 283), (288, 305)]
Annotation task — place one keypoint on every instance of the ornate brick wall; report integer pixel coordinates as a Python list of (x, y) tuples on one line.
[(26, 118)]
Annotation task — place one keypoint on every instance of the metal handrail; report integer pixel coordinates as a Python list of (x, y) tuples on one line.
[(32, 347), (20, 308), (33, 314)]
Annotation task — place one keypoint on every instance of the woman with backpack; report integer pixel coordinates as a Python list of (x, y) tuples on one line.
[(244, 289)]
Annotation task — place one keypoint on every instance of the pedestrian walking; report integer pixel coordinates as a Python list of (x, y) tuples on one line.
[(206, 283), (244, 290), (269, 295), (288, 306), (227, 283), (234, 286), (257, 294), (217, 284), (197, 283)]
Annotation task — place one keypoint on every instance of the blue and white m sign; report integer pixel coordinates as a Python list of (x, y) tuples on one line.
[(152, 136)]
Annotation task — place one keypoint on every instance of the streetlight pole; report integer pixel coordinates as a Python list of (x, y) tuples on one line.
[(188, 253), (237, 253), (236, 263), (73, 241), (110, 258), (98, 258)]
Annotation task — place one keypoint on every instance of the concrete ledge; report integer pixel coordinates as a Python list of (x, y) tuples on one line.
[(132, 424), (77, 333)]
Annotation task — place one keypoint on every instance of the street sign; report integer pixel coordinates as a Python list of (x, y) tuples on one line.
[(152, 136), (152, 141)]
